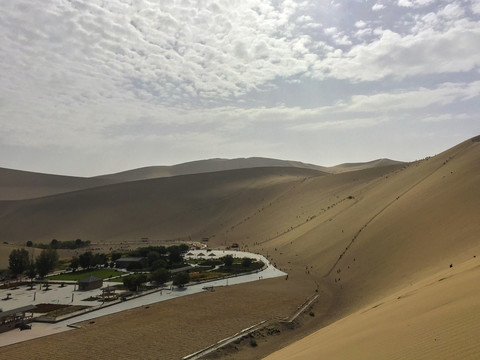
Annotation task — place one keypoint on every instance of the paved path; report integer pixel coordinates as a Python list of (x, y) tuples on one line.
[(57, 296)]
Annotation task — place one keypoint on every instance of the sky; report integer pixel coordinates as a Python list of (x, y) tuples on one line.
[(99, 86)]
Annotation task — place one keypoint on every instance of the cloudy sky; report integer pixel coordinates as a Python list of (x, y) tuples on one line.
[(95, 86)]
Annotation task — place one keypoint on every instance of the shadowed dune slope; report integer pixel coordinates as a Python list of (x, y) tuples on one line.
[(18, 184), (168, 208)]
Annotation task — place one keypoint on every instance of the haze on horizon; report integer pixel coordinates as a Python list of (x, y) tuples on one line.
[(94, 87)]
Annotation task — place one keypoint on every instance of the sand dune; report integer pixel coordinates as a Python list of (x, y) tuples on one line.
[(204, 166), (214, 165), (361, 166), (184, 207), (357, 239), (436, 318), (18, 185)]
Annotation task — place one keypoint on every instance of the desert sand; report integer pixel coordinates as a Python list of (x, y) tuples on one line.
[(357, 239), (436, 318)]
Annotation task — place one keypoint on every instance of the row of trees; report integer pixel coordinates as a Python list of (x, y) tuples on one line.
[(135, 281), (228, 261), (160, 257), (57, 244), (19, 262), (88, 260)]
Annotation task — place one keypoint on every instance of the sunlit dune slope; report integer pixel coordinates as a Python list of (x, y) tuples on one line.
[(436, 318), (361, 166), (401, 229)]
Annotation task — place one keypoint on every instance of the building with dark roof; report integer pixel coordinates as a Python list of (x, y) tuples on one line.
[(131, 263), (90, 283)]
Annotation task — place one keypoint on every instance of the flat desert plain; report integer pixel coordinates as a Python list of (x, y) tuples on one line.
[(375, 245)]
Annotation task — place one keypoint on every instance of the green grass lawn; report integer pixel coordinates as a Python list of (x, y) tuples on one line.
[(77, 275)]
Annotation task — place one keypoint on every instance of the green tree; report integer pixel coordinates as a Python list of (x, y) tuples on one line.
[(86, 259), (18, 261), (152, 256), (99, 259), (54, 244), (175, 254), (133, 282), (158, 264), (116, 256), (160, 276), (181, 279), (74, 263), (46, 262), (31, 271), (246, 262), (227, 260), (29, 243)]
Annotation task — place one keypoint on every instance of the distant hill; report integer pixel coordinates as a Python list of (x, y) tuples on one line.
[(213, 165), (204, 166), (18, 184)]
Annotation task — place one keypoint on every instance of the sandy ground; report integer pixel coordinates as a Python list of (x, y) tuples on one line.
[(167, 330), (437, 318)]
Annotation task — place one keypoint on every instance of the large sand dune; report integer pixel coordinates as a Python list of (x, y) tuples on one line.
[(436, 318), (357, 239), (204, 166), (184, 207), (18, 184)]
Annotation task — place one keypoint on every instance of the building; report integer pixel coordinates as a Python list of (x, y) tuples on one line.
[(90, 283), (131, 263)]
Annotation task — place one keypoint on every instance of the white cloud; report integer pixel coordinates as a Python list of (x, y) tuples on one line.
[(475, 6), (360, 24), (452, 11), (363, 33), (160, 53), (421, 98), (445, 117), (414, 3), (425, 52), (350, 124), (94, 75), (378, 7), (339, 37)]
